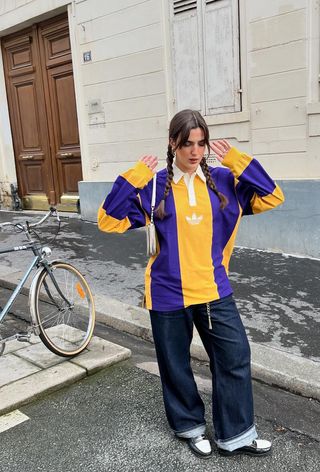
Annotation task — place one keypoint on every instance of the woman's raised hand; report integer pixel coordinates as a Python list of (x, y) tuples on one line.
[(220, 147), (150, 161)]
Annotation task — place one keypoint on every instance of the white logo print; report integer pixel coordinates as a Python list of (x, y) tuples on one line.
[(194, 219)]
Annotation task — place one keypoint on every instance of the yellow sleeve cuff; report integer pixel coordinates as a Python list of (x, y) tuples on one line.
[(111, 225), (268, 202), (236, 161), (139, 175)]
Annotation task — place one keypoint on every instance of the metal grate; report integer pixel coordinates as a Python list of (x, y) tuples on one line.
[(180, 6), (211, 158)]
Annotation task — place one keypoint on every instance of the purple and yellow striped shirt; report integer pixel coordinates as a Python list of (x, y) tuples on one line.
[(196, 238)]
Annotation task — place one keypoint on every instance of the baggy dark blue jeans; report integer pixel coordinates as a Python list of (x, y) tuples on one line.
[(228, 349)]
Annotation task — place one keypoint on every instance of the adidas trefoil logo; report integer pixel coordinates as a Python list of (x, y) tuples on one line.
[(194, 219)]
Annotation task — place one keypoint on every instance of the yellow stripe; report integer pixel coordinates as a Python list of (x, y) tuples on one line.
[(227, 252), (148, 282), (139, 175), (260, 204), (194, 243), (111, 225), (236, 161), (148, 278)]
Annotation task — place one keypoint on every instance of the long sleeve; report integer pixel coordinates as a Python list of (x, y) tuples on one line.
[(122, 210), (255, 189)]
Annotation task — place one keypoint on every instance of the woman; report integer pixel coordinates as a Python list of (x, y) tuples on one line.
[(198, 210)]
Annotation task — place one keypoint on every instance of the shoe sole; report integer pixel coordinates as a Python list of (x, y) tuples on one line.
[(194, 451), (198, 454), (226, 453)]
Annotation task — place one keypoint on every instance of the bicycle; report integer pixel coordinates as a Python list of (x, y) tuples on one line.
[(60, 300)]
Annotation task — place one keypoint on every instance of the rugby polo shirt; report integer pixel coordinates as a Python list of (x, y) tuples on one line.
[(196, 238)]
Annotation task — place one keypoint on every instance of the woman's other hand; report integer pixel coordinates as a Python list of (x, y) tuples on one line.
[(220, 147), (150, 161)]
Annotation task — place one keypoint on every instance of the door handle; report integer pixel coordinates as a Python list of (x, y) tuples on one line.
[(63, 155), (27, 156)]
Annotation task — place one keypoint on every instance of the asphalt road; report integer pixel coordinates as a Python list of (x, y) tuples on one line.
[(114, 421), (278, 295)]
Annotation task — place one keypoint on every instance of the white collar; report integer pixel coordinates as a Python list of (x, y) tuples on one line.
[(178, 174)]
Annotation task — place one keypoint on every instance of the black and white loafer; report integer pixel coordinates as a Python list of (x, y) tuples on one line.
[(258, 447), (200, 446)]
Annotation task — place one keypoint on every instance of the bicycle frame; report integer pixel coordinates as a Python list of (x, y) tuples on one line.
[(47, 287), (20, 285), (38, 260)]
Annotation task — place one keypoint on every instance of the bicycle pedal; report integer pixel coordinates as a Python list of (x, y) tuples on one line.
[(23, 337)]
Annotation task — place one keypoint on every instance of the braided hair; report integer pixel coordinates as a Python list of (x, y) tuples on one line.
[(160, 211), (210, 182), (180, 126)]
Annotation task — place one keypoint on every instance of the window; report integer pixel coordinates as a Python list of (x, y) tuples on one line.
[(205, 50)]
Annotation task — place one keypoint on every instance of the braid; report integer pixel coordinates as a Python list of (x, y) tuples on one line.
[(170, 157), (160, 211), (212, 185)]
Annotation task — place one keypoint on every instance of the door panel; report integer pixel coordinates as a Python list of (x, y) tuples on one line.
[(65, 107), (27, 110), (34, 180), (65, 126), (20, 54), (55, 42), (42, 106), (28, 114), (56, 55)]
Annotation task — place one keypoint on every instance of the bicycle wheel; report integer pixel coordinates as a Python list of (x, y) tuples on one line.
[(64, 309)]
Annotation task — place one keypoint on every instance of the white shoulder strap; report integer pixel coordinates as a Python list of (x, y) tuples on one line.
[(153, 199)]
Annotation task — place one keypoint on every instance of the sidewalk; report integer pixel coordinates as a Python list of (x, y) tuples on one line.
[(29, 370), (278, 297)]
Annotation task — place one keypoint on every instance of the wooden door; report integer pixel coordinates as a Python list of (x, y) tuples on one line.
[(40, 89)]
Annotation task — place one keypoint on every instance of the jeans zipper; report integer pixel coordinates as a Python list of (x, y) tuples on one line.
[(209, 317)]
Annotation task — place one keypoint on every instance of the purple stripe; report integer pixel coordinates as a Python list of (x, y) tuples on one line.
[(255, 176), (121, 192), (166, 289), (123, 202)]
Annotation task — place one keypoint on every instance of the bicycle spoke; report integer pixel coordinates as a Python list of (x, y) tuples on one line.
[(65, 310)]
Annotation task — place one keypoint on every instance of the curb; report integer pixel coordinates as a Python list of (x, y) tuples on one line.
[(30, 370), (272, 366)]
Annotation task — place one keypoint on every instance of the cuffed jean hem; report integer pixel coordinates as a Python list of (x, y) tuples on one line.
[(243, 439), (191, 433)]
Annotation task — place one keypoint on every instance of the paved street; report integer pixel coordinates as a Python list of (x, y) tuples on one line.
[(114, 421), (278, 295)]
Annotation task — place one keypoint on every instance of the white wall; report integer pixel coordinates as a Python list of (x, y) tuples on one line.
[(130, 76), (278, 86), (23, 12), (127, 76)]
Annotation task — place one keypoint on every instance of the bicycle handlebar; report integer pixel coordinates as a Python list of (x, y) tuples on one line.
[(52, 212)]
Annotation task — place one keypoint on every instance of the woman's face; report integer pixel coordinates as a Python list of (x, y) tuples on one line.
[(189, 156)]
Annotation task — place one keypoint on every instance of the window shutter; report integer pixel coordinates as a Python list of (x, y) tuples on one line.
[(186, 54), (221, 56)]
